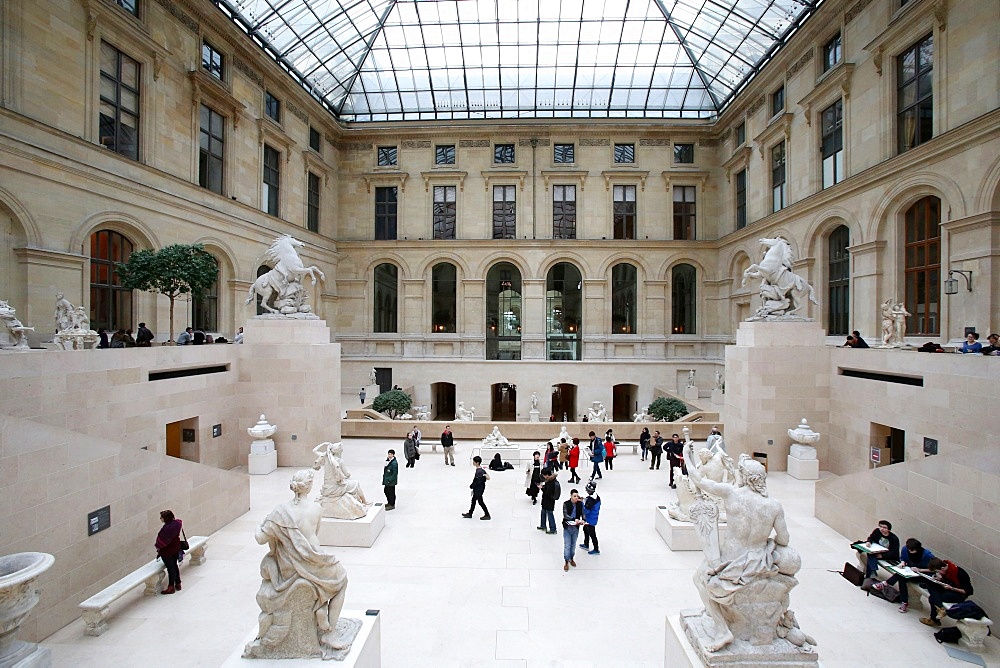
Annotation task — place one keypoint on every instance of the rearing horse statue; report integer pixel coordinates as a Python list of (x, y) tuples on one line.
[(781, 289), (284, 280)]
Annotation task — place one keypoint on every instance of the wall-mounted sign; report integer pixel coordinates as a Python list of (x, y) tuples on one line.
[(187, 435), (876, 455), (930, 446), (99, 520), (216, 430)]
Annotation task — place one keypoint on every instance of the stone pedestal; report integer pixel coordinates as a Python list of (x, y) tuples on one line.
[(361, 532), (533, 415), (683, 649), (680, 536), (803, 469), (718, 397), (513, 454), (263, 457), (678, 651), (366, 652), (691, 393)]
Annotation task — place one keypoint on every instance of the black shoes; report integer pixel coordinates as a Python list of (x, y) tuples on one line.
[(467, 516), (485, 517)]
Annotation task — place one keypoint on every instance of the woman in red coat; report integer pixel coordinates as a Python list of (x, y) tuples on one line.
[(168, 548), (609, 451), (574, 460)]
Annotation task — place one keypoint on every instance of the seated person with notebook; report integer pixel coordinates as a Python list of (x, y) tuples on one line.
[(882, 536), (918, 558), (951, 584)]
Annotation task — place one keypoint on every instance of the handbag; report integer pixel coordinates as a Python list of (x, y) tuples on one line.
[(185, 545), (853, 574)]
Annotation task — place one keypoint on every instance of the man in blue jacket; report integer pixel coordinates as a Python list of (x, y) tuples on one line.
[(597, 445), (591, 511)]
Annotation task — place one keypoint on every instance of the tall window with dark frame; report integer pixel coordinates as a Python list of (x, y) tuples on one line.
[(839, 282), (503, 312), (740, 134), (564, 212), (444, 281), (119, 115), (683, 299), (779, 190), (623, 298), (915, 94), (272, 106), (386, 296), (271, 180), (741, 199), (503, 154), (131, 6), (445, 211), (212, 60), (110, 303), (315, 140), (388, 156), (212, 141), (778, 101), (624, 154), (922, 273), (683, 154), (832, 53), (832, 147), (504, 212), (205, 311), (386, 205), (312, 202), (624, 212), (563, 153), (563, 312), (444, 154), (685, 212)]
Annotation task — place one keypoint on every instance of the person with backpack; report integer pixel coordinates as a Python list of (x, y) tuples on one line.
[(143, 336), (533, 477), (591, 511), (953, 585), (572, 521), (597, 447), (551, 491)]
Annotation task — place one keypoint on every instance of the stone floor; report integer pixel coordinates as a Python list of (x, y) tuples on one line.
[(459, 592)]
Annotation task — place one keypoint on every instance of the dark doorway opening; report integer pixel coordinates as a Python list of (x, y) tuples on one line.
[(623, 403), (383, 378), (443, 398), (504, 408), (564, 402)]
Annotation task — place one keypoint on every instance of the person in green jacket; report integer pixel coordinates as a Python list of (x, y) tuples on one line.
[(390, 474)]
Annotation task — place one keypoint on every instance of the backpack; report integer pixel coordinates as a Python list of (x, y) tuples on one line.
[(890, 593), (966, 610), (949, 634), (556, 490)]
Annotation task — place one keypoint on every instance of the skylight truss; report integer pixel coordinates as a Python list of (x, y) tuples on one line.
[(394, 60)]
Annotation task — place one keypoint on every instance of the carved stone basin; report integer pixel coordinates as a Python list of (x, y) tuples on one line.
[(18, 596)]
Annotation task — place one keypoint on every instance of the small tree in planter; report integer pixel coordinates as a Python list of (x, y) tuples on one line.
[(668, 410), (393, 403), (173, 271)]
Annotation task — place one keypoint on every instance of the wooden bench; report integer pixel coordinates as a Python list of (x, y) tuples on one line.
[(96, 608)]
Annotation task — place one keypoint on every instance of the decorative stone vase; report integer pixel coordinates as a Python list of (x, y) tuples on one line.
[(18, 596)]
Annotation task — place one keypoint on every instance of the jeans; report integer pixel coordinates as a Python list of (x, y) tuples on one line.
[(590, 534), (173, 570), (550, 517), (645, 451), (597, 471), (654, 459), (477, 497), (390, 495), (449, 454), (570, 534)]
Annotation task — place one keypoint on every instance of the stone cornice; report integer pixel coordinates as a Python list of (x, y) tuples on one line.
[(579, 175), (499, 175), (838, 77), (781, 126), (624, 174), (399, 178), (205, 86), (444, 175), (49, 258)]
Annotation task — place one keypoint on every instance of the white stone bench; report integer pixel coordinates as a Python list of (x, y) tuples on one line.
[(96, 608), (974, 631)]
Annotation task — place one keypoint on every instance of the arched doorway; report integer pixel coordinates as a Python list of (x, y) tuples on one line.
[(624, 402), (504, 402), (564, 402), (443, 401)]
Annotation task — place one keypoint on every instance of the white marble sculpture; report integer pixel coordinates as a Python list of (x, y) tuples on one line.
[(64, 313), (745, 581), (423, 413), (720, 383), (18, 597), (597, 412), (464, 415), (534, 401), (804, 438), (263, 458), (372, 376), (262, 429), (496, 440), (73, 330), (280, 289), (17, 334), (691, 381), (563, 433), (782, 291), (302, 589), (893, 324), (643, 415), (340, 497), (713, 466)]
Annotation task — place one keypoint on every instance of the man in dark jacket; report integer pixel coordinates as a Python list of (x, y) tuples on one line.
[(143, 336), (675, 457), (597, 445), (478, 487), (655, 450), (953, 586), (390, 475), (572, 521), (550, 494), (410, 450), (883, 536), (448, 444)]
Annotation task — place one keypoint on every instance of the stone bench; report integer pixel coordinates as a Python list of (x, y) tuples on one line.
[(974, 631), (96, 608)]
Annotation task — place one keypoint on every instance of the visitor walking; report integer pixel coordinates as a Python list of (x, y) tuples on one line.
[(597, 447), (168, 549), (572, 521), (609, 451), (448, 444), (478, 487), (591, 512), (655, 450), (390, 475), (644, 443), (410, 450), (533, 477), (574, 461), (550, 494), (563, 454), (675, 457), (143, 336)]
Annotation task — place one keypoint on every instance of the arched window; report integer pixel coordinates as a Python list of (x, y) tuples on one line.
[(110, 303), (205, 311), (563, 312), (839, 282), (386, 292), (684, 293), (923, 266), (443, 283), (623, 299), (503, 312)]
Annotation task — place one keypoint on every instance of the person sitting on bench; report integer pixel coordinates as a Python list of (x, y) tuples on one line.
[(953, 586), (882, 535), (917, 557)]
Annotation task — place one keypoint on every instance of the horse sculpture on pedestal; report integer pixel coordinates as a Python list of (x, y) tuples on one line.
[(283, 283), (782, 291)]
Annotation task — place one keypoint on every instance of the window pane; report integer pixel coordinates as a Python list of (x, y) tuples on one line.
[(385, 298), (624, 153), (683, 153), (444, 155), (623, 299), (683, 291), (563, 153), (386, 156), (443, 301), (503, 154), (503, 312)]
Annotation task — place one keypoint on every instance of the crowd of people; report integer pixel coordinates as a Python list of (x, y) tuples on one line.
[(144, 337)]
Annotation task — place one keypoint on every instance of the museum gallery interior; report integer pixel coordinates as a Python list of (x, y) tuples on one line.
[(526, 215)]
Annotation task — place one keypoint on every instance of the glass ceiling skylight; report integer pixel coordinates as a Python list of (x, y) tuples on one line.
[(394, 60)]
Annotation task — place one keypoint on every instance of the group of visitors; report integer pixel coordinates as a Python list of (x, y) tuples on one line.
[(854, 340), (972, 346)]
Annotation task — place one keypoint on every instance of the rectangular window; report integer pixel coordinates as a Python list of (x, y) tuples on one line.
[(212, 141), (684, 212), (741, 199), (386, 200), (564, 212), (778, 188), (445, 212), (504, 217), (272, 106), (741, 134), (211, 60), (312, 203), (272, 179), (624, 153), (119, 115), (915, 115), (387, 156), (130, 6), (833, 144), (778, 101), (832, 53), (562, 153), (624, 212), (315, 140), (444, 154), (503, 154), (683, 154)]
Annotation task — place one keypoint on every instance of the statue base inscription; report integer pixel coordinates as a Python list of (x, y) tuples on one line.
[(362, 532), (686, 634), (365, 650), (680, 536)]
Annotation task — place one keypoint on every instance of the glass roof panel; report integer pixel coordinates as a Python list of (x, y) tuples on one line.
[(374, 60)]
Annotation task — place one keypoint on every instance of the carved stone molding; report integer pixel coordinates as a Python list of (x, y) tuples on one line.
[(853, 12), (551, 175), (416, 143), (298, 113), (206, 87), (442, 176), (388, 178), (492, 177), (595, 142), (624, 175), (474, 143), (654, 142), (243, 66), (800, 63)]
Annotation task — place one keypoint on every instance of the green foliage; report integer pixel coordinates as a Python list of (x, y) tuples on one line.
[(393, 403), (668, 410)]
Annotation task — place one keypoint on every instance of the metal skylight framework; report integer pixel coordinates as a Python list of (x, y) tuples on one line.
[(394, 60)]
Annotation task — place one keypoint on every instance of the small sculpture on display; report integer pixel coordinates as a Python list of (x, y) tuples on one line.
[(73, 330), (372, 376), (340, 497), (563, 433), (496, 440), (597, 412), (302, 589), (720, 382), (280, 289), (714, 466), (534, 401), (893, 324), (745, 581), (643, 415), (691, 382), (17, 333), (423, 413), (804, 438), (782, 291), (464, 415)]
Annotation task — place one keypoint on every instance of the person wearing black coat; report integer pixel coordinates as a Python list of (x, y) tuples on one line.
[(881, 535)]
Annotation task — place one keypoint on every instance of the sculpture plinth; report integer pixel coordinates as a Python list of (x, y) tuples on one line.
[(695, 625), (362, 532)]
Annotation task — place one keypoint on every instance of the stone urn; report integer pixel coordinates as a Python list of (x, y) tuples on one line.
[(804, 438), (262, 429), (18, 596)]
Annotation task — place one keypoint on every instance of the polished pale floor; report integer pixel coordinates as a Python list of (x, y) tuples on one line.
[(459, 592)]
